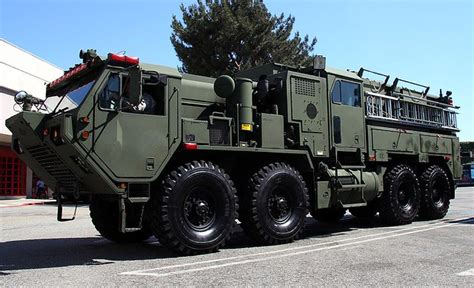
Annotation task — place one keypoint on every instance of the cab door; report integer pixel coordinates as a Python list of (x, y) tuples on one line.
[(126, 142), (347, 113)]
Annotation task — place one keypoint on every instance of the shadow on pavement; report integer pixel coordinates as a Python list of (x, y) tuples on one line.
[(62, 252), (313, 229), (464, 221)]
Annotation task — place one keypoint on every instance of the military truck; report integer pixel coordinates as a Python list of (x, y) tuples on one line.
[(265, 147)]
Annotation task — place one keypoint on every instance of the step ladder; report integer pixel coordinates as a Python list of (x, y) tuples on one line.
[(351, 168)]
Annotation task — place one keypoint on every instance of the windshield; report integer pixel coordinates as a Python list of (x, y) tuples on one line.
[(71, 100), (76, 96)]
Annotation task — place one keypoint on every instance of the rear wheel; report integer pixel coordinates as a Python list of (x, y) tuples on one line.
[(400, 201), (196, 209), (275, 204), (105, 217), (435, 189)]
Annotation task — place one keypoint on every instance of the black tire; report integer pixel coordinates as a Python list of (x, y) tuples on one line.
[(105, 217), (329, 215), (400, 201), (368, 211), (275, 205), (435, 188), (196, 209)]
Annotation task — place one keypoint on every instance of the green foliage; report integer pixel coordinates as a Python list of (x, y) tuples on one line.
[(223, 37)]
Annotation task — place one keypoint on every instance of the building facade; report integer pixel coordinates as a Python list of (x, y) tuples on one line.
[(19, 70)]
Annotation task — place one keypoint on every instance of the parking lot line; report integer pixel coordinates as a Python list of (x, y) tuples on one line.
[(329, 245), (292, 248), (469, 272)]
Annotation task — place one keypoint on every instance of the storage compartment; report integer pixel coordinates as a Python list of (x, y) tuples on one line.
[(271, 131), (392, 140), (435, 144), (195, 131)]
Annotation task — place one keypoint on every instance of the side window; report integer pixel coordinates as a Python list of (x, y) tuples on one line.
[(110, 95), (346, 93), (154, 95), (350, 93), (336, 92)]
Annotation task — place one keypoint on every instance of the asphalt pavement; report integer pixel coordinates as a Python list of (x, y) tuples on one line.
[(35, 250)]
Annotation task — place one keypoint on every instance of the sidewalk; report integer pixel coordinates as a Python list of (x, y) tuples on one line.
[(5, 203)]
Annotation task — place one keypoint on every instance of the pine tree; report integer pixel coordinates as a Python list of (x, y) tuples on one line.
[(223, 37)]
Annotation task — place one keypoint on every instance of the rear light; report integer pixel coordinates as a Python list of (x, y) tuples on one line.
[(123, 59), (45, 132), (190, 146)]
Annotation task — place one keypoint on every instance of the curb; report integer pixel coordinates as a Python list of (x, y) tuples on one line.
[(25, 204)]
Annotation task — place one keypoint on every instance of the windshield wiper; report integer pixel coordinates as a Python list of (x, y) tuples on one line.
[(60, 110)]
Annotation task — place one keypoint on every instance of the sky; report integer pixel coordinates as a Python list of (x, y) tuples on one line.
[(425, 41)]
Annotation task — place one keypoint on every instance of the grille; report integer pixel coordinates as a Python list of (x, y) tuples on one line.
[(54, 166), (304, 87), (219, 133)]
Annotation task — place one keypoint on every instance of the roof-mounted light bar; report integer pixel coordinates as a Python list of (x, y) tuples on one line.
[(123, 59), (68, 74)]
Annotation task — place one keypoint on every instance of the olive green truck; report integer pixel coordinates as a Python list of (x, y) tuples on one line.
[(183, 156)]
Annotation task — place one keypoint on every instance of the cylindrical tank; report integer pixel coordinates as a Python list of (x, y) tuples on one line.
[(244, 89), (370, 179)]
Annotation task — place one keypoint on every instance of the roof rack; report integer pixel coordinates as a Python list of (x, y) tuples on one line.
[(395, 84), (362, 70)]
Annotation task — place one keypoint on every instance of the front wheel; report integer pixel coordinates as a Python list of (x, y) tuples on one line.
[(435, 188), (195, 210), (105, 217)]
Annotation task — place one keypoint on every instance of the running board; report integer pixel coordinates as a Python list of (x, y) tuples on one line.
[(354, 205)]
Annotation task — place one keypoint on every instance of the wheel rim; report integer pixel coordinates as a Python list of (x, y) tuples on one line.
[(199, 209), (406, 194), (279, 205)]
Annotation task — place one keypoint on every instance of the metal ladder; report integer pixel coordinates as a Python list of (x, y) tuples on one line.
[(410, 109)]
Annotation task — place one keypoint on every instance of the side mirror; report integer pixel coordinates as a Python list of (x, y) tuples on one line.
[(135, 85), (21, 96)]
